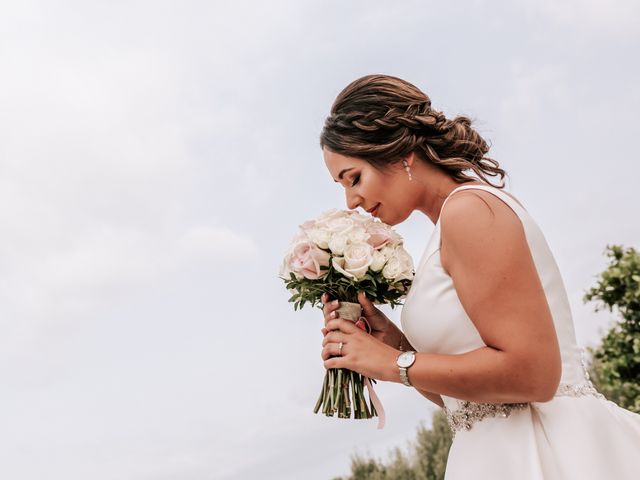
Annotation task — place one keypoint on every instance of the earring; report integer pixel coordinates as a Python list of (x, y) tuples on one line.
[(406, 167)]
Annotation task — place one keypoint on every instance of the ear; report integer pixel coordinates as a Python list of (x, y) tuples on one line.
[(410, 158)]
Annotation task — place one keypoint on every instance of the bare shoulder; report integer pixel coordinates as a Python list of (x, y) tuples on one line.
[(474, 218), (485, 251)]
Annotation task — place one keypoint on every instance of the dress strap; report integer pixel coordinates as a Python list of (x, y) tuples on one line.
[(509, 200), (434, 241)]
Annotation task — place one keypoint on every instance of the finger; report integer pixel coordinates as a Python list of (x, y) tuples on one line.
[(335, 362), (330, 306), (343, 325), (367, 306), (324, 298), (333, 350), (331, 310), (336, 337)]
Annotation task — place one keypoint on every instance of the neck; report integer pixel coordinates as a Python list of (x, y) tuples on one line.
[(434, 195)]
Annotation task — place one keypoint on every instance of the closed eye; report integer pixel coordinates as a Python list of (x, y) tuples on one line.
[(355, 181)]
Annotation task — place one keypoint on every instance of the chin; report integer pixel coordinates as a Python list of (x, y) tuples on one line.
[(393, 220), (387, 220)]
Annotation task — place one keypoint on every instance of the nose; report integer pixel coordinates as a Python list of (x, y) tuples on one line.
[(353, 200)]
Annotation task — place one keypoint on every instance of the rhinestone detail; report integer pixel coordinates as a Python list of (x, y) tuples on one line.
[(578, 390), (463, 417), (468, 413)]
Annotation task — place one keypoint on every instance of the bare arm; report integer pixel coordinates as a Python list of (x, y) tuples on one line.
[(485, 251), (383, 329), (434, 397), (395, 338)]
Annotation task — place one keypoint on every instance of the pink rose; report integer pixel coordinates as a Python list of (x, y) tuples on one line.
[(379, 235), (308, 225), (306, 259)]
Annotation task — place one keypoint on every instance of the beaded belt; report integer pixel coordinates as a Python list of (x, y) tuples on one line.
[(463, 417)]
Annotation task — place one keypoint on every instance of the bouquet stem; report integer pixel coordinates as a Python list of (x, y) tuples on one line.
[(343, 390)]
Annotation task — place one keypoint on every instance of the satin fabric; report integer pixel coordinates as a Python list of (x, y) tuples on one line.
[(582, 437)]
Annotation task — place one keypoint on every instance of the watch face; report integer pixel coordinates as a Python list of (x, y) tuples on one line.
[(406, 359)]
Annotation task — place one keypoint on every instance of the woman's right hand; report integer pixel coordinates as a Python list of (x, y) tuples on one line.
[(381, 327)]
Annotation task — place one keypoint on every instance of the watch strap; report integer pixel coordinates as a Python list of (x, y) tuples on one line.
[(404, 377)]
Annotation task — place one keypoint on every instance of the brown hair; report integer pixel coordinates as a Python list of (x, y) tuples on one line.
[(381, 119)]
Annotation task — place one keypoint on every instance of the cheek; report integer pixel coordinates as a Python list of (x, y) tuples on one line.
[(393, 192), (400, 199), (381, 189)]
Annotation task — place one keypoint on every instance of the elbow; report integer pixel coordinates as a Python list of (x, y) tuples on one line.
[(546, 384), (538, 376), (545, 394)]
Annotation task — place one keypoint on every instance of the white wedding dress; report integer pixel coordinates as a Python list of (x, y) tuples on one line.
[(577, 435)]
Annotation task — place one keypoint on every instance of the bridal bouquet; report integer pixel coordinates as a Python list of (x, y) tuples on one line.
[(341, 253)]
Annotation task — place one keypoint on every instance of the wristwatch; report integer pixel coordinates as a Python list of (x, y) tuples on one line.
[(404, 361)]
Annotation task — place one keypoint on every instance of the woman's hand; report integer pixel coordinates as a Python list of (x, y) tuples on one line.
[(360, 351), (382, 328)]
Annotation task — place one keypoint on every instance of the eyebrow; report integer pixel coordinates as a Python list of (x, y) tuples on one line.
[(342, 173)]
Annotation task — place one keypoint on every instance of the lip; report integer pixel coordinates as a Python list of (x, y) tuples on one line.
[(374, 211)]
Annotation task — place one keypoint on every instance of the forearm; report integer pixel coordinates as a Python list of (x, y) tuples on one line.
[(434, 397), (395, 338), (485, 375)]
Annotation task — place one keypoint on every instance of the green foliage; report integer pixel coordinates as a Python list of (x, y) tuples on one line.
[(615, 364), (432, 448), (399, 468), (426, 460), (614, 369), (378, 289)]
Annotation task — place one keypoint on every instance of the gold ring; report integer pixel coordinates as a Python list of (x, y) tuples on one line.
[(340, 348)]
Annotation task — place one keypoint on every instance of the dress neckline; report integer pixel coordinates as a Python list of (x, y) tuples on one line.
[(480, 186), (435, 235), (449, 196)]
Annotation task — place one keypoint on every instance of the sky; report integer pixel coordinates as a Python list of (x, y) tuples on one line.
[(156, 159)]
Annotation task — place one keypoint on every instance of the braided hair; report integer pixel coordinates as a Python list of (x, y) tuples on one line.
[(382, 119)]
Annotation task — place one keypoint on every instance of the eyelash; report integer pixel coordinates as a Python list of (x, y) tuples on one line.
[(357, 179)]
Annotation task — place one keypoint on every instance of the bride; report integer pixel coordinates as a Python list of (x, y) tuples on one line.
[(487, 332)]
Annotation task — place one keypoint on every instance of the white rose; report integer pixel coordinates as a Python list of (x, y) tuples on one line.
[(396, 239), (338, 243), (378, 261), (338, 265), (360, 219), (284, 270), (329, 214), (338, 224), (358, 258), (357, 235), (300, 236), (399, 266), (319, 236), (409, 269), (387, 251)]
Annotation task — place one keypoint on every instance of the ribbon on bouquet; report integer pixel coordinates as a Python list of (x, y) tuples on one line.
[(364, 325)]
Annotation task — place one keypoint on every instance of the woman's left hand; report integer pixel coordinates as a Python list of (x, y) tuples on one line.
[(360, 351)]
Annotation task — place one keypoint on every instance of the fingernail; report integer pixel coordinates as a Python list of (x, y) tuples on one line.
[(335, 303), (332, 314)]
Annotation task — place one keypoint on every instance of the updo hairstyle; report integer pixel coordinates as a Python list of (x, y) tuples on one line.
[(382, 119)]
